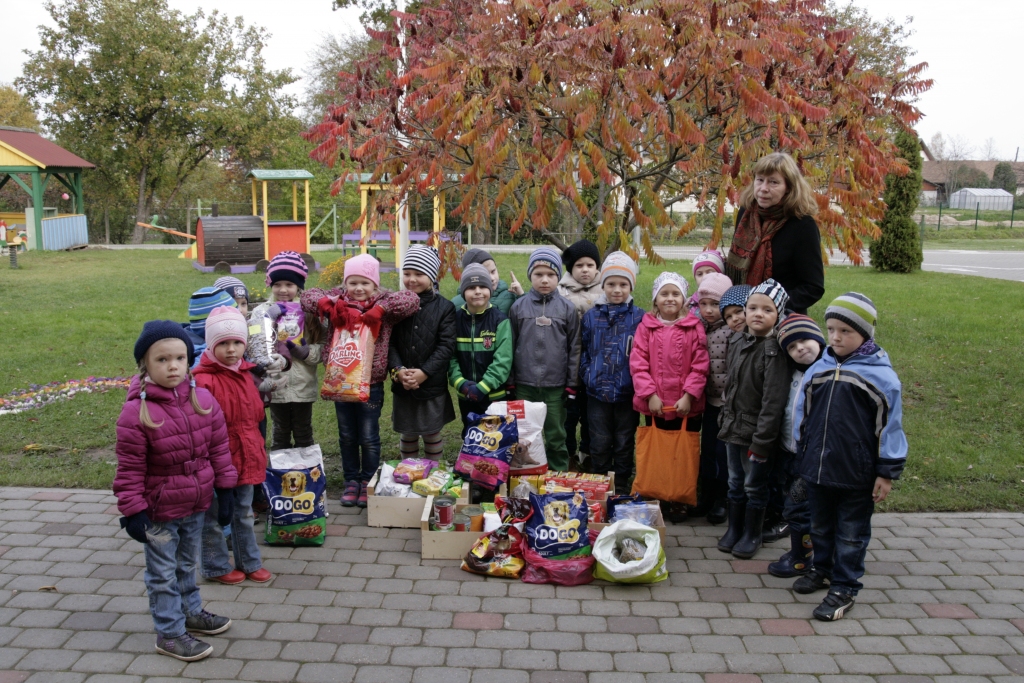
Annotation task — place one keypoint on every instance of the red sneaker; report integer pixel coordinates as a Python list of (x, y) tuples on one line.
[(261, 575), (361, 501), (230, 579)]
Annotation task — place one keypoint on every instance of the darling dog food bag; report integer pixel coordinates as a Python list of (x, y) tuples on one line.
[(295, 488)]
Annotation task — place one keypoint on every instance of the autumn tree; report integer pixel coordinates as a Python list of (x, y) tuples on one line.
[(15, 109), (1004, 177), (898, 248)]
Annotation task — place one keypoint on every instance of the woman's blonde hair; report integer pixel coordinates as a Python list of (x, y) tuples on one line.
[(144, 416), (799, 198)]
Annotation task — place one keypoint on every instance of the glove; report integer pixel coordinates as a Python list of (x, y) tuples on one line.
[(345, 316), (300, 352), (268, 385), (754, 457), (570, 394), (474, 392), (225, 506), (274, 311), (278, 363), (372, 318), (136, 526)]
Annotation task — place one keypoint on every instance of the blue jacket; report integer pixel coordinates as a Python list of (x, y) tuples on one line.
[(608, 332), (848, 422)]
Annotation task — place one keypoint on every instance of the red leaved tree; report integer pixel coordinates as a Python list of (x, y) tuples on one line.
[(620, 109)]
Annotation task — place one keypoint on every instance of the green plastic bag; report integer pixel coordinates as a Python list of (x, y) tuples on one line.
[(649, 569)]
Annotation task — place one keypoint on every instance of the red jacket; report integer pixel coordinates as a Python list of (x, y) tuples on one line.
[(243, 411), (669, 360), (170, 472)]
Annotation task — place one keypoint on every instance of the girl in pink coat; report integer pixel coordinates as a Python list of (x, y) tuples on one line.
[(172, 452)]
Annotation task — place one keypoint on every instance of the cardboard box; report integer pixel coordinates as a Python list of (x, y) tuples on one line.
[(398, 513), (503, 489), (444, 545)]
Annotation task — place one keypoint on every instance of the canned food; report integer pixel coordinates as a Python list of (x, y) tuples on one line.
[(441, 527), (476, 517), (444, 511), (462, 522)]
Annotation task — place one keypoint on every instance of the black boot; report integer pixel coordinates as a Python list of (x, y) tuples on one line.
[(719, 509), (797, 561), (736, 512), (706, 501), (751, 541)]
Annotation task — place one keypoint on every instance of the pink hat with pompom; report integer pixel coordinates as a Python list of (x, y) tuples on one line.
[(363, 265)]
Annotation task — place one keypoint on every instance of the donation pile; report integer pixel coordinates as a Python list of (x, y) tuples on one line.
[(416, 478), (295, 488)]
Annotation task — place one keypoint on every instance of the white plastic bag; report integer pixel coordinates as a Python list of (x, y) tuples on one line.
[(387, 486), (649, 569), (530, 415)]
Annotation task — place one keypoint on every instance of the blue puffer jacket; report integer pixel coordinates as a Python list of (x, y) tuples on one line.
[(848, 422), (608, 332)]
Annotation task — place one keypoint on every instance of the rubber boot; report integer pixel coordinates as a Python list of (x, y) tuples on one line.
[(751, 541), (736, 512), (797, 561)]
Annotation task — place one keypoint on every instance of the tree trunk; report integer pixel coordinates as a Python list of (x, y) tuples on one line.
[(554, 239), (140, 209), (106, 223)]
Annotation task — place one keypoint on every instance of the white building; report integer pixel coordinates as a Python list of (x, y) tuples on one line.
[(984, 198)]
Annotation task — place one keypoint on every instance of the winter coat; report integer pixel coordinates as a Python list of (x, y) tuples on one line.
[(425, 341), (243, 410), (583, 297), (303, 384), (788, 440), (848, 421), (718, 351), (546, 356), (502, 298), (755, 401), (669, 360), (608, 333), (483, 351), (796, 262), (198, 342), (170, 472)]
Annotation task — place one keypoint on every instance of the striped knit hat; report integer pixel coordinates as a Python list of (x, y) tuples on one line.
[(423, 259), (857, 311), (233, 286), (709, 258), (796, 327), (734, 296), (713, 286), (287, 266), (202, 302), (619, 264), (545, 256), (774, 291), (668, 278)]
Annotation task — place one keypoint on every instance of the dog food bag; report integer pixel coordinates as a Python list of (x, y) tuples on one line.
[(349, 364), (295, 488), (490, 445), (497, 553), (438, 482), (529, 457), (413, 469), (558, 527)]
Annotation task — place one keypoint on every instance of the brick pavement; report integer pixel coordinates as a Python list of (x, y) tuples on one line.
[(944, 602)]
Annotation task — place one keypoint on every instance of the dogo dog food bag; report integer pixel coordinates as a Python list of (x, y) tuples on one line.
[(558, 527), (295, 488), (490, 445), (529, 457)]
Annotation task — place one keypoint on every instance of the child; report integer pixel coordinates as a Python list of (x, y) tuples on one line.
[(291, 406), (733, 307), (202, 301), (172, 452), (581, 285), (546, 359), (225, 373), (669, 363), (421, 350), (482, 363), (751, 416), (504, 294), (236, 289), (848, 425), (801, 338), (707, 262), (361, 300), (608, 332), (714, 465)]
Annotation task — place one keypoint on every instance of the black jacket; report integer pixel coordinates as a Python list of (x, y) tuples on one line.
[(797, 263), (425, 341), (756, 397)]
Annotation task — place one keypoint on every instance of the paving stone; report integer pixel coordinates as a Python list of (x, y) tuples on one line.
[(343, 633), (632, 625), (920, 664), (477, 621), (269, 671), (326, 673), (697, 662), (949, 611), (978, 665), (558, 677), (809, 664)]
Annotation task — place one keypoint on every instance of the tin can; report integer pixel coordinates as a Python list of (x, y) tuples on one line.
[(444, 511), (435, 527), (476, 517), (462, 522)]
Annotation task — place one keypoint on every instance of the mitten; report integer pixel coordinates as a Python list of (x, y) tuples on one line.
[(300, 352), (754, 457), (570, 394), (372, 318), (345, 316), (278, 363), (274, 311), (136, 526), (225, 506), (269, 385), (475, 393), (325, 307)]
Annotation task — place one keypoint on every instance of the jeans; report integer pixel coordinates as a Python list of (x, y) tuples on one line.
[(576, 414), (554, 422), (785, 483), (613, 438), (359, 427), (243, 539), (840, 532), (748, 480), (288, 419), (170, 576), (466, 407), (714, 463)]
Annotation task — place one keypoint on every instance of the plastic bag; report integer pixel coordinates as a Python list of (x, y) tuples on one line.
[(291, 325), (387, 486), (558, 527), (574, 571), (641, 513), (490, 444), (295, 488), (649, 569), (498, 553), (348, 366), (530, 415), (433, 485), (413, 469), (513, 510), (629, 550)]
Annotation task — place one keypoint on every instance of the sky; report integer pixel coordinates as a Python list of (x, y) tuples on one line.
[(969, 49)]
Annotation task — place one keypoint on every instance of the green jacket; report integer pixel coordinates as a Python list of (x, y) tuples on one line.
[(501, 298), (483, 351)]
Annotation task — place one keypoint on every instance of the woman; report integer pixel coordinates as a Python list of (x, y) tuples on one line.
[(776, 236)]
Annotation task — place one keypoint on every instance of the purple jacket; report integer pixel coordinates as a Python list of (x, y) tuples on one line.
[(170, 472)]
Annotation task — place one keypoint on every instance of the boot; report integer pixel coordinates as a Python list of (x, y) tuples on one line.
[(736, 513), (751, 541), (774, 527), (797, 561), (706, 501), (719, 509)]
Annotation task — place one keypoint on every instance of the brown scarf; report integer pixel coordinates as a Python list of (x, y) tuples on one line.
[(750, 255)]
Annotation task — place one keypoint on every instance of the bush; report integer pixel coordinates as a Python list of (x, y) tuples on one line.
[(898, 250)]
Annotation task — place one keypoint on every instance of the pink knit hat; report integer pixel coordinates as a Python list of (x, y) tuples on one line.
[(224, 324), (363, 265), (713, 286), (712, 258)]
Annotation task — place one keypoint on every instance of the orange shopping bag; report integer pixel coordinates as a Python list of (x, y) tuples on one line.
[(667, 464)]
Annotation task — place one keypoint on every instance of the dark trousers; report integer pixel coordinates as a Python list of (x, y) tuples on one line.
[(748, 480), (466, 407), (840, 532), (359, 428), (576, 413), (787, 493), (291, 419), (613, 438), (714, 463)]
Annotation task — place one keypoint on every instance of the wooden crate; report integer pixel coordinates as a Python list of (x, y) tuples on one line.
[(398, 513), (444, 545)]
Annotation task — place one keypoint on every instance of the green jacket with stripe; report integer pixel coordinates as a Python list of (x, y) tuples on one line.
[(483, 351)]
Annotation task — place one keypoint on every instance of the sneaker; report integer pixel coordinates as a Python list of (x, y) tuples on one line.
[(261, 575), (232, 578), (834, 606), (775, 532), (351, 494), (361, 500), (185, 647), (206, 623), (814, 580)]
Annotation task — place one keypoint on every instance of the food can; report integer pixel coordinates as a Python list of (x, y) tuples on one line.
[(444, 511), (462, 522), (439, 527), (476, 517)]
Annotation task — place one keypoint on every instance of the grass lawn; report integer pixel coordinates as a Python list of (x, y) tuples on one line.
[(954, 340)]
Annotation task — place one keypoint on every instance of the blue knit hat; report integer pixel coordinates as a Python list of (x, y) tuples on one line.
[(734, 296), (155, 330), (545, 256), (202, 302)]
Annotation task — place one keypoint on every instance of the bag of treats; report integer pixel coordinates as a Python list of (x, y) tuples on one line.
[(558, 527), (291, 325), (436, 483), (413, 469), (348, 365), (490, 444), (295, 488), (530, 456), (498, 553)]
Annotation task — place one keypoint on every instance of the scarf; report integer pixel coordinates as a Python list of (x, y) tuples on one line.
[(868, 348), (750, 255), (209, 354)]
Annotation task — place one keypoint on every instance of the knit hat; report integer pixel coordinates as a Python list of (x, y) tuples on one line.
[(580, 249), (774, 291), (668, 278), (423, 259), (474, 275), (233, 286), (475, 255), (734, 296), (713, 286), (712, 258), (796, 327), (202, 302), (857, 311), (223, 324), (545, 256), (619, 264), (288, 266), (363, 265), (155, 330)]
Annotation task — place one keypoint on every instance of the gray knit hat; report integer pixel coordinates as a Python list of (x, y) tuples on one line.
[(856, 310), (475, 255), (475, 275)]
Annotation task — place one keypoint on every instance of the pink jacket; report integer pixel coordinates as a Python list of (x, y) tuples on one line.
[(669, 360), (170, 472)]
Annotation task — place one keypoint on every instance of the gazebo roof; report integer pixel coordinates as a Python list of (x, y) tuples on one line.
[(25, 147), (280, 174)]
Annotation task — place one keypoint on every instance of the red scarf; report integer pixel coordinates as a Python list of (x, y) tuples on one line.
[(750, 255)]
